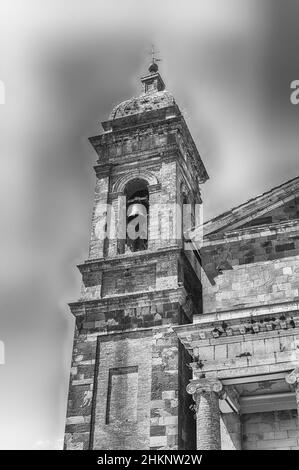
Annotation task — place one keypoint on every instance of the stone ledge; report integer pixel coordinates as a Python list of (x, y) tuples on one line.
[(255, 311)]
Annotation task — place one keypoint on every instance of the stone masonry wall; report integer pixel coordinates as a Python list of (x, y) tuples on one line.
[(164, 393), (122, 281), (251, 268), (269, 349), (258, 283), (150, 359), (119, 314), (134, 273), (127, 430), (96, 246), (79, 409), (275, 430)]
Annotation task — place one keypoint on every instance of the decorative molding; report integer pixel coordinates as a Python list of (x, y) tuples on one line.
[(266, 326), (122, 181), (115, 195), (84, 307), (249, 321)]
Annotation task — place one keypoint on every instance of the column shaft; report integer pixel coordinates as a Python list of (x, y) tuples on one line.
[(208, 421), (205, 393)]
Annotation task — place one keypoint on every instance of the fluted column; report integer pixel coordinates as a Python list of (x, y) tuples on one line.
[(205, 393), (293, 380)]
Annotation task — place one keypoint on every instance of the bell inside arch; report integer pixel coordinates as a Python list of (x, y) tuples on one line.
[(136, 209)]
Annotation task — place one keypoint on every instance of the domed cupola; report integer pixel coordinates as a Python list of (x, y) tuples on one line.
[(154, 96)]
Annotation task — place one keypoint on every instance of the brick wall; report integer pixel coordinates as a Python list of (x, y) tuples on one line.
[(271, 430), (122, 396), (123, 424), (122, 281), (147, 364)]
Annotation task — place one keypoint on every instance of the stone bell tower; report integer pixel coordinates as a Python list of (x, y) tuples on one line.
[(129, 373)]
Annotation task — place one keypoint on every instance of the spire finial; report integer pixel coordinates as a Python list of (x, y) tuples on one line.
[(153, 68), (153, 81)]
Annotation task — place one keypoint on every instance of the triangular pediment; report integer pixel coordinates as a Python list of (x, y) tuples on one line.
[(278, 205)]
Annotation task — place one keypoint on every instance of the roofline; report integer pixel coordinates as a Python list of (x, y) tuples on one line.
[(223, 220)]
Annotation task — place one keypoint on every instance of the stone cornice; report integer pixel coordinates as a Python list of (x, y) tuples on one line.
[(254, 208), (225, 326), (153, 156), (249, 312), (248, 233), (123, 133), (188, 147), (184, 144), (103, 170), (116, 261), (80, 307), (135, 125)]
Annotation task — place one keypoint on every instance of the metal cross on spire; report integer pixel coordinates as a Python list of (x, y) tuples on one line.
[(153, 52), (154, 66)]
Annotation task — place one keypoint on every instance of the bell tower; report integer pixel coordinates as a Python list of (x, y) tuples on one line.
[(129, 373)]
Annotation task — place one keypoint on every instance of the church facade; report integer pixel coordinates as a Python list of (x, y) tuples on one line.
[(184, 339)]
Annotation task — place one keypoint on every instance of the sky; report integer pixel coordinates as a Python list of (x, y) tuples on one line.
[(229, 64)]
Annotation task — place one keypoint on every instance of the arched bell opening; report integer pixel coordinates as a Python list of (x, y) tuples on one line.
[(137, 209)]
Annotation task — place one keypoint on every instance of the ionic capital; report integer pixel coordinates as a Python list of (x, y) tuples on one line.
[(200, 386), (209, 388), (293, 378)]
